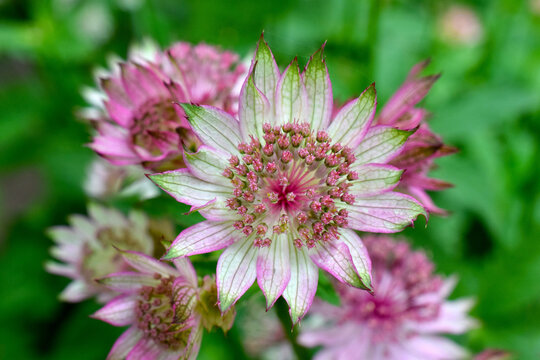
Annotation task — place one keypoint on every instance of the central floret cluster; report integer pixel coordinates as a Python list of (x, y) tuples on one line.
[(156, 317), (294, 183)]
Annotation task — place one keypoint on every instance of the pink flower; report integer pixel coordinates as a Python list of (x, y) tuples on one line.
[(86, 249), (142, 125), (403, 320), (423, 146), (164, 307), (283, 187)]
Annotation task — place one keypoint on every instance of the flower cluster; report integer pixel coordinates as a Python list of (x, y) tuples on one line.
[(140, 123), (283, 186), (287, 184), (407, 315)]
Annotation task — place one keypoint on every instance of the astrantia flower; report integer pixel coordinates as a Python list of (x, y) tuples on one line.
[(405, 319), (283, 188), (143, 125), (164, 307), (423, 146), (87, 251)]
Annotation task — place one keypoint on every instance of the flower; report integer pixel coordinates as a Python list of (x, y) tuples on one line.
[(460, 25), (165, 308), (423, 146), (283, 187), (86, 249), (142, 125), (104, 181), (403, 320)]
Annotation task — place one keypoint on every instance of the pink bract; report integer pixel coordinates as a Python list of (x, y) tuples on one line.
[(86, 249), (405, 319), (141, 123), (284, 186), (164, 307), (423, 146)]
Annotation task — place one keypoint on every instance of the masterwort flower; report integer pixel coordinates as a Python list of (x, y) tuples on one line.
[(283, 187), (164, 307), (423, 146), (403, 320), (142, 125), (87, 251)]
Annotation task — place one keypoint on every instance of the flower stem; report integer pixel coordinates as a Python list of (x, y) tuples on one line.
[(282, 311)]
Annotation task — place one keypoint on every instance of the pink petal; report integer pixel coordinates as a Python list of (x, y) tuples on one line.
[(302, 286), (214, 127), (335, 258), (122, 115), (353, 120), (208, 164), (61, 269), (186, 188), (125, 343), (147, 264), (291, 97), (274, 269), (201, 238), (374, 179), (145, 349), (118, 312), (76, 291), (434, 347), (254, 110), (380, 145), (236, 272), (385, 213), (127, 281), (359, 255), (319, 91), (266, 73), (186, 269)]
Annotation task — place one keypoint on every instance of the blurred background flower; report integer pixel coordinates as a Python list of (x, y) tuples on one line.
[(486, 104)]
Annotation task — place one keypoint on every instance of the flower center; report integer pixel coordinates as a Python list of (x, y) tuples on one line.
[(154, 126), (156, 316), (297, 182)]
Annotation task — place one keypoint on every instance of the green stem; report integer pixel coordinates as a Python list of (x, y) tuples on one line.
[(282, 311)]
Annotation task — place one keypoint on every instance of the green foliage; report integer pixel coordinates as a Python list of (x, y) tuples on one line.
[(486, 104)]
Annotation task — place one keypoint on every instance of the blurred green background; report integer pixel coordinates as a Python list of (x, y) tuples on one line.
[(486, 104)]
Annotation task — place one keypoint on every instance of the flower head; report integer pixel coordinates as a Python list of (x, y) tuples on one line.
[(87, 251), (141, 124), (422, 147), (283, 187), (406, 316), (164, 307)]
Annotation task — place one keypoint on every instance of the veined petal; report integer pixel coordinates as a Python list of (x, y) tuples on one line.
[(201, 238), (193, 343), (214, 127), (319, 91), (147, 264), (266, 73), (236, 272), (302, 286), (145, 349), (359, 255), (274, 269), (374, 179), (118, 312), (207, 164), (291, 98), (76, 291), (254, 110), (353, 121), (186, 269), (335, 258), (186, 188), (127, 281), (125, 343), (385, 213), (380, 144)]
